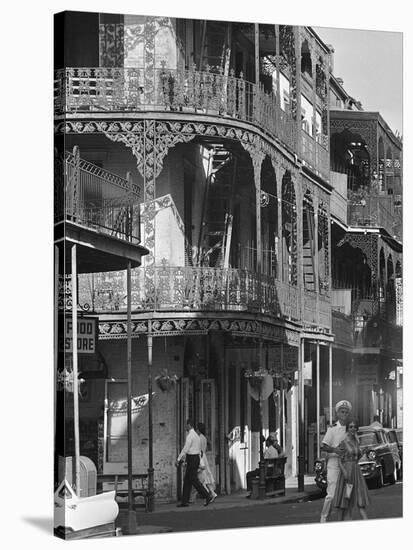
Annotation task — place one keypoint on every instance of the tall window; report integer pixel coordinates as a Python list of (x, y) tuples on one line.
[(307, 113), (289, 231)]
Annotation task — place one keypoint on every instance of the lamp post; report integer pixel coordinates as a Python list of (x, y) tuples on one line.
[(260, 390)]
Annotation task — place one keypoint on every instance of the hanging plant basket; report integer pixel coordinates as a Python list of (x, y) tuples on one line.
[(64, 381), (166, 381), (256, 377)]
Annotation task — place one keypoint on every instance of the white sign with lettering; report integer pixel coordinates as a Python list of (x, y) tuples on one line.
[(86, 335)]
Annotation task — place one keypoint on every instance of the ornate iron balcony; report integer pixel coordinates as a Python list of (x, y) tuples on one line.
[(192, 289), (80, 90), (87, 195)]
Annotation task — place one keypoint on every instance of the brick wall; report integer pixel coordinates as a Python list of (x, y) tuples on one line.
[(166, 354)]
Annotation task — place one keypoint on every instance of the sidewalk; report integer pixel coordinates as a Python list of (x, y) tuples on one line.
[(222, 502), (239, 499)]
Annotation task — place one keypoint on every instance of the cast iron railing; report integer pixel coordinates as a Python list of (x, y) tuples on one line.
[(193, 289), (177, 90), (90, 196)]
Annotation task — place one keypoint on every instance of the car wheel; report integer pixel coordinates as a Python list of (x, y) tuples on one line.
[(392, 477), (399, 474), (380, 479)]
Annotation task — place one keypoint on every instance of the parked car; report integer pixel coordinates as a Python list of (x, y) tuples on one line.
[(395, 437), (380, 461), (320, 470)]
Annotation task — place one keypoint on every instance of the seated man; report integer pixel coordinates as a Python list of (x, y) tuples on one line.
[(269, 452)]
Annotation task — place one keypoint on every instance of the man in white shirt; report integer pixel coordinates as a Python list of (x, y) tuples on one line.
[(192, 451), (334, 436)]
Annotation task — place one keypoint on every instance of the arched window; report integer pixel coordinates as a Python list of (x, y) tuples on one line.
[(269, 219)]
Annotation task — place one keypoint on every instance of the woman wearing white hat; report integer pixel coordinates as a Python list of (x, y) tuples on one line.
[(334, 436)]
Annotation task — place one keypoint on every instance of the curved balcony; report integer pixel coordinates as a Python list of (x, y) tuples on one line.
[(193, 289), (120, 90)]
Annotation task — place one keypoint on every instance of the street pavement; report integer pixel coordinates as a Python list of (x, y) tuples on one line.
[(236, 511)]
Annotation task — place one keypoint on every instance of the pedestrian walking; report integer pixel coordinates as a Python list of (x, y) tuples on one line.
[(205, 474), (351, 490), (192, 454), (332, 439)]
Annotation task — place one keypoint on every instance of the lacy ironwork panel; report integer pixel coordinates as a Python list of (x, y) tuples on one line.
[(368, 244), (288, 53), (116, 329), (122, 89), (193, 289), (366, 129), (324, 248), (111, 44)]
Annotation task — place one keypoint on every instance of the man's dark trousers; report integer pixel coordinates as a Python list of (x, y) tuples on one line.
[(191, 479)]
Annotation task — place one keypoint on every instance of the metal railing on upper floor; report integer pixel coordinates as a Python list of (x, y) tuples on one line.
[(88, 195), (174, 90)]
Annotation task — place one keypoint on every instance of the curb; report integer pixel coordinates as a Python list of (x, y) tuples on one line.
[(243, 503)]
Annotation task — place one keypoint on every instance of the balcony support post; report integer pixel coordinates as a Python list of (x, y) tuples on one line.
[(301, 426), (75, 369), (151, 489), (131, 511), (318, 397), (330, 383)]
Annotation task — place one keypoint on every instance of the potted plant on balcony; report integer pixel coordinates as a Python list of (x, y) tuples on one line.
[(165, 380)]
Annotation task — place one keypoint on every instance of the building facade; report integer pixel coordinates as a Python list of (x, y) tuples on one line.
[(366, 172), (225, 127)]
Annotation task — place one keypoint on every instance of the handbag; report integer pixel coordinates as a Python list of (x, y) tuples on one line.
[(202, 465), (348, 490)]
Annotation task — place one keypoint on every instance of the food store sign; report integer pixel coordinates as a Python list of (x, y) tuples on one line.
[(86, 335)]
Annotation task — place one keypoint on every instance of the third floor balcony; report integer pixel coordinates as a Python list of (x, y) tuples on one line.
[(179, 91)]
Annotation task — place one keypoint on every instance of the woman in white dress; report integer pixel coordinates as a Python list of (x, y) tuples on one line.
[(205, 474)]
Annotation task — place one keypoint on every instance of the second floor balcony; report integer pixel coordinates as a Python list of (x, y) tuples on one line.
[(117, 90), (93, 198), (373, 211), (203, 289)]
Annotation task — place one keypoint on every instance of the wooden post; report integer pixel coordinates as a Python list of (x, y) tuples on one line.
[(75, 370), (131, 511)]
